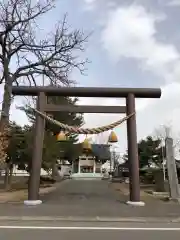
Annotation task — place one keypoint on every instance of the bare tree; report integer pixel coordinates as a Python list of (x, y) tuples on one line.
[(165, 131), (24, 57)]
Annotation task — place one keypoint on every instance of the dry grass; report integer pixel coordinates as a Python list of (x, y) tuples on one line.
[(123, 188), (19, 190), (21, 195), (19, 183)]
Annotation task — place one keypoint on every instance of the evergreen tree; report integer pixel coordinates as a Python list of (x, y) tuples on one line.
[(149, 151), (52, 149)]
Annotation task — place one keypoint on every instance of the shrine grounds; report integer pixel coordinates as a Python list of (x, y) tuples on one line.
[(91, 200)]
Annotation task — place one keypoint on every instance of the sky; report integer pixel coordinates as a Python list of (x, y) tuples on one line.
[(133, 43)]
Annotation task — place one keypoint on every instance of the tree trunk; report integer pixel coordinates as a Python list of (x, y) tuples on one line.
[(6, 103), (10, 176), (6, 177), (4, 121), (54, 171)]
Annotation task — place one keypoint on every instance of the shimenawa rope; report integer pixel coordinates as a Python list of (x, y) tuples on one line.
[(78, 130)]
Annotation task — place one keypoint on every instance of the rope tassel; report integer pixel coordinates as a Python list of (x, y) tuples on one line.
[(78, 130)]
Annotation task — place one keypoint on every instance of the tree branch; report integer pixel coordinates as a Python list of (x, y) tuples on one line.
[(54, 57)]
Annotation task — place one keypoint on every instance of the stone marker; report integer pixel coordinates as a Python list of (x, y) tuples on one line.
[(172, 171)]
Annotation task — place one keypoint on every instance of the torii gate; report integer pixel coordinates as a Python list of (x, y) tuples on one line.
[(129, 93)]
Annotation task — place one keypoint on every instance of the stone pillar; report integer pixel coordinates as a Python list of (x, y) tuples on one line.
[(172, 171)]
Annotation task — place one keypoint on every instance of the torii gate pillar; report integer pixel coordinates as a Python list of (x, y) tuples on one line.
[(134, 183)]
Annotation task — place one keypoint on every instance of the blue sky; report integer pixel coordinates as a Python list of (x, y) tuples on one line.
[(134, 43)]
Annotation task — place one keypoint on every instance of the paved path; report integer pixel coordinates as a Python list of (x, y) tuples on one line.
[(83, 192), (81, 231), (90, 199), (85, 198)]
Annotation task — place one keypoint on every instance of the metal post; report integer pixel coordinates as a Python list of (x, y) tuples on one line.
[(134, 185), (34, 179)]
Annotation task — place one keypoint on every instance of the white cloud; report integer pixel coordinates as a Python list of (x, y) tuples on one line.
[(131, 32), (90, 1), (174, 3), (92, 5), (89, 5)]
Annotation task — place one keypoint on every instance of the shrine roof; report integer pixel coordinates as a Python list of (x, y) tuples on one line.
[(102, 151)]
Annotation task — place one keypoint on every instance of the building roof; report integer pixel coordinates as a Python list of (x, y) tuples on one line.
[(102, 151)]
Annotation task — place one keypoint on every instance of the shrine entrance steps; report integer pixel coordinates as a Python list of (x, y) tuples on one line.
[(86, 176)]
